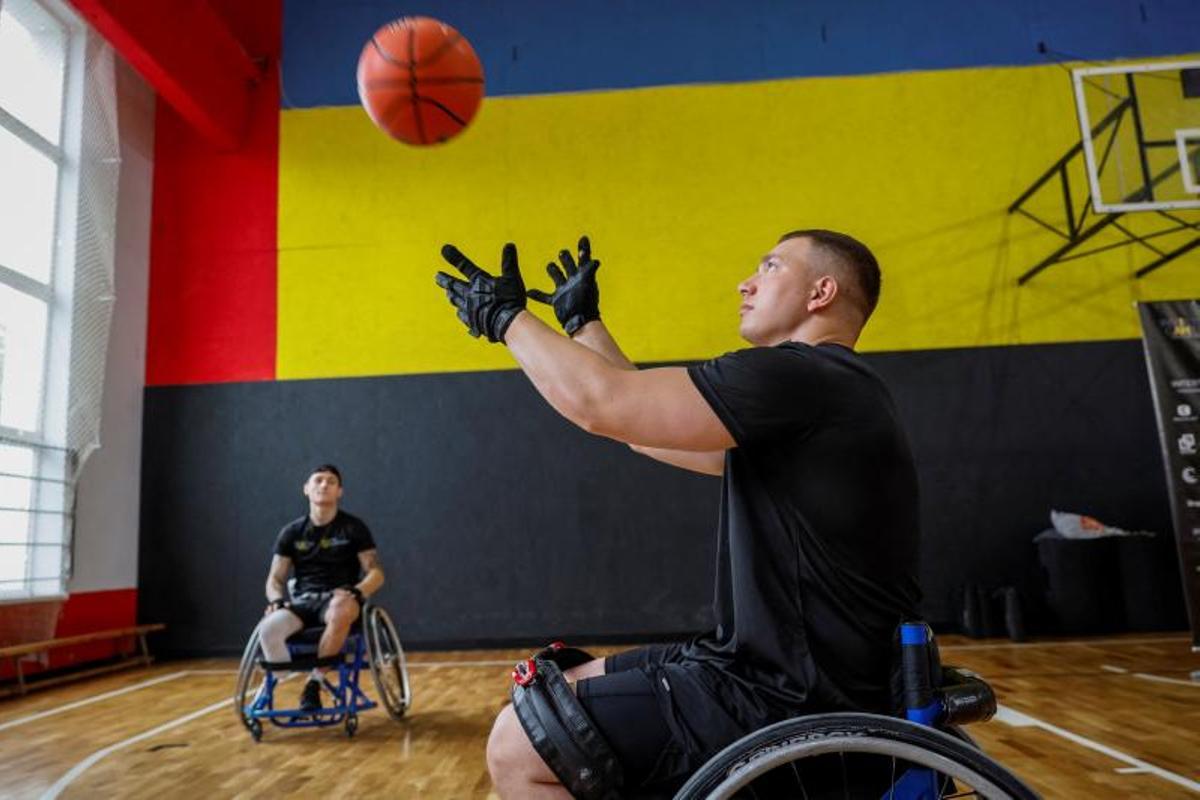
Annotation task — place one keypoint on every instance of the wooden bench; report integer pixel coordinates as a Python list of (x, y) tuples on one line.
[(18, 651)]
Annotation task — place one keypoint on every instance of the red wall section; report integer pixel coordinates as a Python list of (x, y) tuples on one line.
[(82, 612), (213, 235)]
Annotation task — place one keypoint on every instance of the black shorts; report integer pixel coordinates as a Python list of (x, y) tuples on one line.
[(634, 705), (310, 607)]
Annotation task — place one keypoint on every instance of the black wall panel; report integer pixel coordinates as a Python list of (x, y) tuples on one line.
[(498, 522)]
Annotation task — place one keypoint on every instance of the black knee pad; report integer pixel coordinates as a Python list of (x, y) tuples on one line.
[(560, 729)]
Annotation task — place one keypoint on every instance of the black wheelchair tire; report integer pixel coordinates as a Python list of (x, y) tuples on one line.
[(791, 740), (246, 671), (386, 657)]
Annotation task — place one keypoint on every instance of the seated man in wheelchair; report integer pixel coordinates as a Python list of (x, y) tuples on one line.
[(818, 533), (336, 569)]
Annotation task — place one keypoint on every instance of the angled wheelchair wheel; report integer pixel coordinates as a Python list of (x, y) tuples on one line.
[(388, 667), (250, 681), (852, 755)]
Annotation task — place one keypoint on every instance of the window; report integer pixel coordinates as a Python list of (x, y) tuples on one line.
[(40, 50)]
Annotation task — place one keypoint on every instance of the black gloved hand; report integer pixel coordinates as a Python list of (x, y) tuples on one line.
[(576, 297), (486, 304)]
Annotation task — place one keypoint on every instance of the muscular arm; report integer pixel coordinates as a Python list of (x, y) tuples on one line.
[(277, 578), (657, 408), (595, 337), (372, 577)]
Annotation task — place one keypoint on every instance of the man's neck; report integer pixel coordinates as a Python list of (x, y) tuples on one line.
[(820, 330), (321, 515)]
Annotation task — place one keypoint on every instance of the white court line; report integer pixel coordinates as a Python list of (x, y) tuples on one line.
[(1068, 643), (78, 703), (117, 692), (77, 770), (1111, 668), (1018, 719), (1160, 679)]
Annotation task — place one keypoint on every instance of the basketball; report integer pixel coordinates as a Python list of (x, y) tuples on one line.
[(420, 80)]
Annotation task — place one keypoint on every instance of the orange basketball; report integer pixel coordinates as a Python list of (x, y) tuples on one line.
[(420, 80)]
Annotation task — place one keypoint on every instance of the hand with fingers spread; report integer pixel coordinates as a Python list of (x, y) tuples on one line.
[(576, 296), (487, 304)]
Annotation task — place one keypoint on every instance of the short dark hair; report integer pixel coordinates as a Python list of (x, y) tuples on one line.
[(851, 253), (326, 468)]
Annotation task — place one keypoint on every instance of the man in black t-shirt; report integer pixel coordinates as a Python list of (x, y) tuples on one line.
[(336, 569), (818, 531)]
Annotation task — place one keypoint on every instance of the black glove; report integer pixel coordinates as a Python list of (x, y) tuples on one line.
[(486, 304), (576, 297)]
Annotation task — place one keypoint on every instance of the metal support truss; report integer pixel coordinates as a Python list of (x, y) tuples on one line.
[(1082, 227)]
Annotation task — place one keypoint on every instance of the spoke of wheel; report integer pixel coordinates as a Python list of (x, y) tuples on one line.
[(799, 780)]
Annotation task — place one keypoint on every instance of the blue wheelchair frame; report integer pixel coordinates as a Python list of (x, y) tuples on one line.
[(348, 697), (922, 706)]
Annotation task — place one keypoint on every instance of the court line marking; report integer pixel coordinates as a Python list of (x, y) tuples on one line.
[(87, 701), (1018, 719), (175, 675), (77, 770), (1162, 679), (83, 766), (1111, 668)]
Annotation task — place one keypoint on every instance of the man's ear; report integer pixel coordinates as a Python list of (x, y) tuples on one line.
[(824, 290)]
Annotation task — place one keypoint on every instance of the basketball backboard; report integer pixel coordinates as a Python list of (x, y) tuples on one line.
[(1140, 129)]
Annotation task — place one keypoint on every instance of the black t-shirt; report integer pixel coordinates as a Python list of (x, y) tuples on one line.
[(324, 557), (817, 544)]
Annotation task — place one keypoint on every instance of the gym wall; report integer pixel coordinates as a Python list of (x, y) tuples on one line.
[(293, 317)]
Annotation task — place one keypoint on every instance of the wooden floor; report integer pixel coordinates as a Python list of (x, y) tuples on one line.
[(1081, 719)]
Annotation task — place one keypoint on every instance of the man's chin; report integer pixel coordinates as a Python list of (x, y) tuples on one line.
[(750, 335)]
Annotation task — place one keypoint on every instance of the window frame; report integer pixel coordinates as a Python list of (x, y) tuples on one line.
[(52, 462)]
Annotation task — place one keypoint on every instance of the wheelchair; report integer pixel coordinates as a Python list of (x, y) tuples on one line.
[(373, 642), (852, 755)]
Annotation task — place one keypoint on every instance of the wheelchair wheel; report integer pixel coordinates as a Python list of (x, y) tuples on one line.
[(388, 667), (250, 681), (961, 733), (849, 755)]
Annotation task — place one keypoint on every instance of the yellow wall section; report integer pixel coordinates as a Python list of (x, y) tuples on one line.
[(682, 188)]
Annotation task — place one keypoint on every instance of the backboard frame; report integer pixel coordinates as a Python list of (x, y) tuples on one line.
[(1088, 128)]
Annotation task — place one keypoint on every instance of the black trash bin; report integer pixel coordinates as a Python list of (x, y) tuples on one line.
[(1083, 583)]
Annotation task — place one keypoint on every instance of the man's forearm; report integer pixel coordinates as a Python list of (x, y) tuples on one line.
[(570, 376), (370, 582), (275, 589), (595, 337)]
